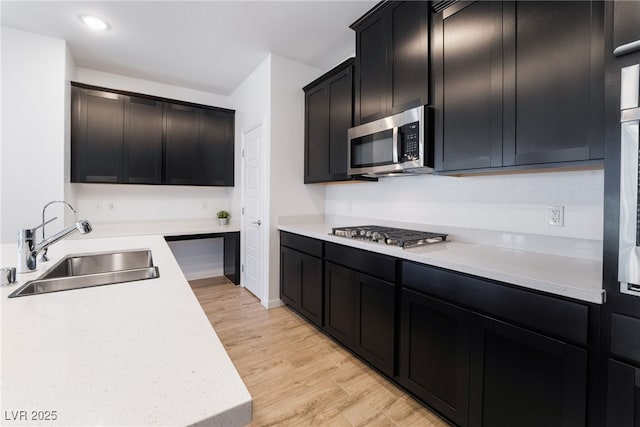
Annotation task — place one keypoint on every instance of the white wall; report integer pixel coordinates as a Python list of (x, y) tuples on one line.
[(288, 193), (273, 95), (514, 203), (33, 128)]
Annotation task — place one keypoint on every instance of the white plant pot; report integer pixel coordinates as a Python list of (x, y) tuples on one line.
[(223, 221)]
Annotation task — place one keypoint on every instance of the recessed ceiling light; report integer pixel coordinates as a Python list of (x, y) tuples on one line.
[(94, 23)]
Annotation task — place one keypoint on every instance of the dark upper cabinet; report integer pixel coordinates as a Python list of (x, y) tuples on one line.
[(216, 145), (97, 136), (183, 153), (467, 41), (626, 30), (434, 353), (143, 133), (518, 84), (328, 116), (392, 53), (122, 137)]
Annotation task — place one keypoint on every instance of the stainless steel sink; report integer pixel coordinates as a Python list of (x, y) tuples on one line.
[(94, 269)]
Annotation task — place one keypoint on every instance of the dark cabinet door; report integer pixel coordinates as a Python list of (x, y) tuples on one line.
[(340, 303), (143, 134), (554, 82), (392, 60), (468, 89), (372, 69), (316, 162), (182, 152), (409, 47), (521, 378), (340, 90), (360, 313), (216, 145), (434, 353), (328, 116), (97, 137), (301, 283), (623, 395), (375, 327)]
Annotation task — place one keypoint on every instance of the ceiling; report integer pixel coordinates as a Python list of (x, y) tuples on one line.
[(205, 45)]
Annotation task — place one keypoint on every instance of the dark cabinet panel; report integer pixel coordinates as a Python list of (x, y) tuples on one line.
[(340, 301), (143, 134), (360, 313), (301, 283), (392, 60), (376, 322), (434, 353), (317, 135), (372, 82), (182, 152), (518, 84), (328, 116), (623, 395), (97, 138), (410, 62), (556, 84), (216, 144), (468, 94), (522, 378)]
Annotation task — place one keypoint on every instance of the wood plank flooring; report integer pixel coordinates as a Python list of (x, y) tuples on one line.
[(296, 375)]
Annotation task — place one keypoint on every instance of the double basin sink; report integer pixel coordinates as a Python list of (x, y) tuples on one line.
[(92, 269)]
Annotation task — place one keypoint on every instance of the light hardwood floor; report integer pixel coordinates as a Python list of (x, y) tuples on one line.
[(296, 375)]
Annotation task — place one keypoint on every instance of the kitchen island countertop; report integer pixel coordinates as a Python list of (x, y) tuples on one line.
[(569, 277), (138, 353)]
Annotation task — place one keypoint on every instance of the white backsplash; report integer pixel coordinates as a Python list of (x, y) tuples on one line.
[(498, 210)]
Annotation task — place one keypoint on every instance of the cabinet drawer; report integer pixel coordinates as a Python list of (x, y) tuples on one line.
[(303, 244), (625, 337), (546, 314), (378, 265)]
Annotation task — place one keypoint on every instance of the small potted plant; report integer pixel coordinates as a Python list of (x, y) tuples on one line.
[(223, 217)]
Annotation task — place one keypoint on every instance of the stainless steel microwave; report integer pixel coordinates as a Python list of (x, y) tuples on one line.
[(395, 145)]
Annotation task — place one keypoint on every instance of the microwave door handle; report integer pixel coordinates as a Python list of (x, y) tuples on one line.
[(396, 144)]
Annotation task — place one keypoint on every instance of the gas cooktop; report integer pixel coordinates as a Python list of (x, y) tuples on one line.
[(389, 235)]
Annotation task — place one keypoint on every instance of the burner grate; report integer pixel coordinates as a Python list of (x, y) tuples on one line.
[(390, 235)]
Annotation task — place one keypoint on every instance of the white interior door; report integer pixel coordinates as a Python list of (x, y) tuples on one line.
[(252, 205)]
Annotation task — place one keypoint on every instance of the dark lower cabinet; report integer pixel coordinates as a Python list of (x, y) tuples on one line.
[(301, 283), (434, 353), (521, 378), (360, 313), (623, 395)]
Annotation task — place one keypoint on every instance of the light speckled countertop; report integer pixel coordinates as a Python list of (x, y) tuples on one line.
[(139, 353), (570, 277)]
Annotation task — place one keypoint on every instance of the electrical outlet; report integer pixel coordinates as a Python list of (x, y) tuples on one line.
[(555, 216), (112, 206)]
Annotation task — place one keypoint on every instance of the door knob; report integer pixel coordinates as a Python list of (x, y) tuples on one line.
[(258, 223)]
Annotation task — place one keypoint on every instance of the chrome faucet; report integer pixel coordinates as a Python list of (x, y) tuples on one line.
[(28, 249), (43, 256)]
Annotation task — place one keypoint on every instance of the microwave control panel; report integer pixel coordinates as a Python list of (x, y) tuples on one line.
[(409, 142)]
